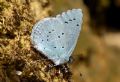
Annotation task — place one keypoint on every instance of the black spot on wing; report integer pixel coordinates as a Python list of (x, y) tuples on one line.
[(74, 19), (66, 22), (58, 36), (62, 33), (70, 19), (77, 25)]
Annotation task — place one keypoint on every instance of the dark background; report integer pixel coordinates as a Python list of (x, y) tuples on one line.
[(97, 54)]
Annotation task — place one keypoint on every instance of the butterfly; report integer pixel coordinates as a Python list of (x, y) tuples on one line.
[(56, 37)]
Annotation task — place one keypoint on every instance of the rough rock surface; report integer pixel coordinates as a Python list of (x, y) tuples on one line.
[(19, 61)]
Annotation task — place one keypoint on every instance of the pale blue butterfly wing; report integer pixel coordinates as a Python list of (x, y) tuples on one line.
[(56, 37)]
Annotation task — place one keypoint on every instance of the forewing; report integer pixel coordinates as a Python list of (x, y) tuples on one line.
[(57, 37)]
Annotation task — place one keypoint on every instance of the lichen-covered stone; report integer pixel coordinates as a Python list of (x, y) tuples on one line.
[(16, 52)]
